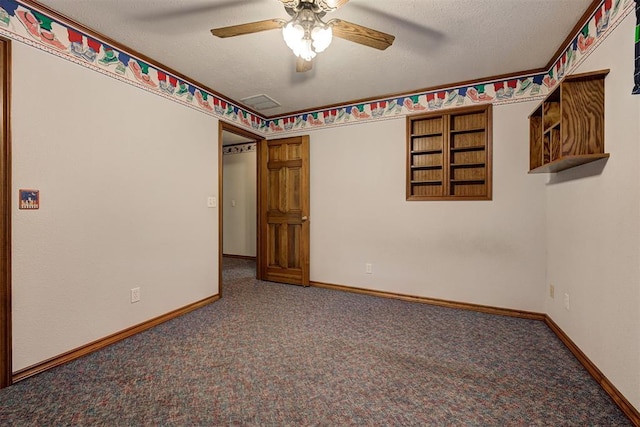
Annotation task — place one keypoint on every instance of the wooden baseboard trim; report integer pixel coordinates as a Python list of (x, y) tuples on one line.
[(247, 257), (434, 301), (111, 339), (624, 405)]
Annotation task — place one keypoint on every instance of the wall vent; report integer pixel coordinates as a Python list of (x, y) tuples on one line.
[(260, 102)]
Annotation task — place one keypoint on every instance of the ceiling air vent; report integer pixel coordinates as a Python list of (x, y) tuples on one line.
[(260, 102)]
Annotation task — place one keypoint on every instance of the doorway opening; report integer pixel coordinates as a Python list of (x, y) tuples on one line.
[(238, 194)]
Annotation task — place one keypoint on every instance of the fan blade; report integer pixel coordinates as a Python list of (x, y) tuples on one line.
[(303, 66), (252, 27), (363, 35)]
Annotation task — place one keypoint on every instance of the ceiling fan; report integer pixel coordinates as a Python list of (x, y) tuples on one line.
[(306, 34)]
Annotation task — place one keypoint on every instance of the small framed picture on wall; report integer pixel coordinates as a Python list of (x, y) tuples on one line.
[(29, 199)]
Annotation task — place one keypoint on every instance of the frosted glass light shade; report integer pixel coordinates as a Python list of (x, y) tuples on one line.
[(292, 34), (321, 38), (304, 44)]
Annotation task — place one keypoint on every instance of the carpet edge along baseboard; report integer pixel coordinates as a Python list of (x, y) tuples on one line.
[(106, 341), (618, 398)]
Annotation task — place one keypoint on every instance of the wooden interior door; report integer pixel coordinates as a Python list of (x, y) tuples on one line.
[(283, 254)]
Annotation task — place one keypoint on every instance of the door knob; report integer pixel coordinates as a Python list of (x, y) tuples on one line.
[(304, 218)]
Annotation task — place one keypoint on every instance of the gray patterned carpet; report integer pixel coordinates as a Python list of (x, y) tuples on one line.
[(274, 355)]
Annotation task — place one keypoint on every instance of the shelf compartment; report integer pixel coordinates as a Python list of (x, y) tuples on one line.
[(427, 159), (470, 189), (535, 139), (468, 122), (426, 143), (422, 135), (466, 140), (468, 157), (468, 175), (427, 189), (550, 114), (546, 149), (427, 126), (554, 143), (426, 175)]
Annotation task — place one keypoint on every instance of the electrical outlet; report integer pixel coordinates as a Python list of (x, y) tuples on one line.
[(135, 295), (566, 302), (368, 268), (552, 291)]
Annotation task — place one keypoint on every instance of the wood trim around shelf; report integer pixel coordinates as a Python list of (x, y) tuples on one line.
[(425, 135), (552, 126), (452, 189), (587, 76), (467, 181), (427, 182), (468, 165), (426, 167), (469, 148), (111, 339), (568, 162), (462, 131), (434, 151)]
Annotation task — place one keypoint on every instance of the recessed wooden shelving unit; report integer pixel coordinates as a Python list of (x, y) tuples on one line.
[(567, 128), (449, 155)]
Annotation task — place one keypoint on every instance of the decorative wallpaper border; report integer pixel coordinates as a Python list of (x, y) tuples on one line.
[(516, 89), (28, 24), (239, 148)]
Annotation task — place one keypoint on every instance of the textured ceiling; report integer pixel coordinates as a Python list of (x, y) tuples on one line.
[(438, 42)]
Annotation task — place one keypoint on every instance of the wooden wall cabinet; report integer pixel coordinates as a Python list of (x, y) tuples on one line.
[(567, 128), (449, 155)]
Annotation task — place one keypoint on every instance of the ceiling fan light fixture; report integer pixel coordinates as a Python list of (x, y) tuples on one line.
[(306, 34)]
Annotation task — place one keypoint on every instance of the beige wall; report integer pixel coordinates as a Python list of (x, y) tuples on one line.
[(124, 177), (593, 230), (483, 252), (239, 186), (578, 230)]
